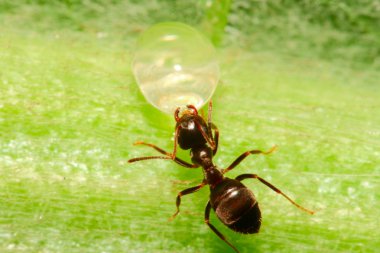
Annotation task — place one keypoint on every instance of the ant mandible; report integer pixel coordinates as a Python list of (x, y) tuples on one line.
[(234, 204)]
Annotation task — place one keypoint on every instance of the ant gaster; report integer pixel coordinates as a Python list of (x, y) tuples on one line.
[(234, 204)]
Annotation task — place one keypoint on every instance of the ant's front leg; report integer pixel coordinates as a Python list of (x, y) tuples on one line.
[(215, 137), (211, 126), (176, 133), (206, 134), (167, 156), (244, 155)]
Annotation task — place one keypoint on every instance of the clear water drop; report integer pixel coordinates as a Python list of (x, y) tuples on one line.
[(175, 65)]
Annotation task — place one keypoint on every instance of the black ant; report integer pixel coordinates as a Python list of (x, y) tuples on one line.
[(234, 204)]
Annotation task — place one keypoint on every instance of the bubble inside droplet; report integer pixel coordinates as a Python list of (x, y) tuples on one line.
[(174, 65)]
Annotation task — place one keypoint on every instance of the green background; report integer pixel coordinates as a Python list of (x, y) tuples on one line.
[(300, 74)]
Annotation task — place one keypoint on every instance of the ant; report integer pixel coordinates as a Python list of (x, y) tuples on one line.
[(234, 204)]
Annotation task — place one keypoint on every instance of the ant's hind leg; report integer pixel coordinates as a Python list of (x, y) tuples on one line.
[(220, 235), (274, 188), (185, 192), (167, 156), (244, 155)]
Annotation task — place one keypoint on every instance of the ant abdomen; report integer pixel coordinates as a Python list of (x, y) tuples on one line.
[(236, 206)]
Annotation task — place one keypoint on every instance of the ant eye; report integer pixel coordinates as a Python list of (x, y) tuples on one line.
[(184, 124)]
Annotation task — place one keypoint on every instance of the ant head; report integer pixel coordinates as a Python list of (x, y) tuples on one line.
[(190, 110)]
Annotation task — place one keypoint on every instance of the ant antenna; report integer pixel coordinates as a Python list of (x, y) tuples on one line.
[(193, 108), (176, 117)]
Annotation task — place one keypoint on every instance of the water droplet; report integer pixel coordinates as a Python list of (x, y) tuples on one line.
[(175, 65)]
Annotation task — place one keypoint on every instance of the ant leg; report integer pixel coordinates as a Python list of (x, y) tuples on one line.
[(216, 137), (244, 155), (176, 160), (167, 157), (148, 158), (274, 188), (206, 135), (185, 192), (220, 235), (211, 126), (173, 155), (209, 120)]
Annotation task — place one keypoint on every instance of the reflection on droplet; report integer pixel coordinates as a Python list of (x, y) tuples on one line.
[(177, 67)]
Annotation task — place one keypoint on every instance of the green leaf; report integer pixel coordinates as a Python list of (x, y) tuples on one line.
[(70, 111)]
